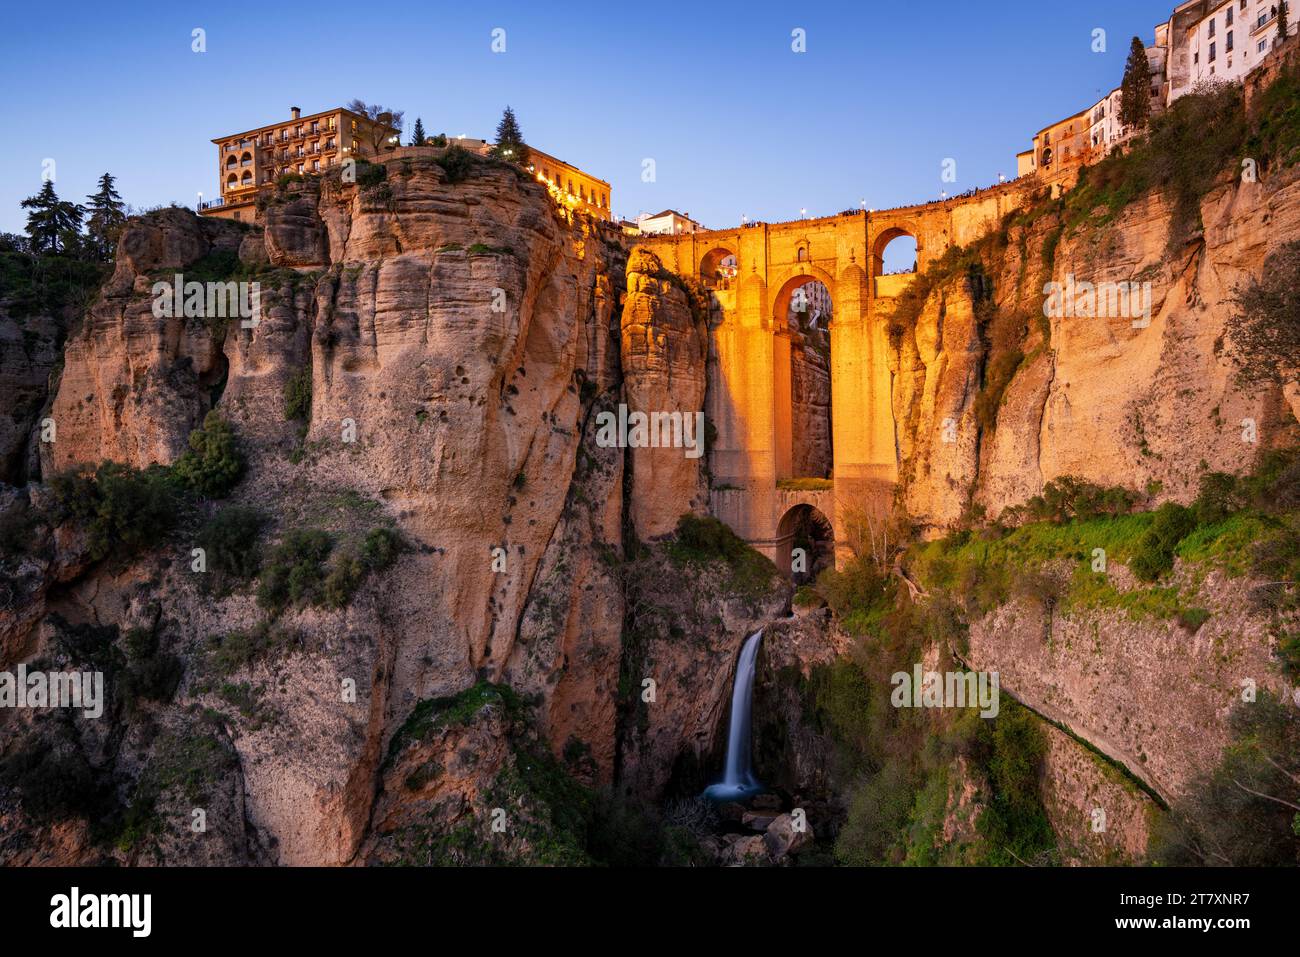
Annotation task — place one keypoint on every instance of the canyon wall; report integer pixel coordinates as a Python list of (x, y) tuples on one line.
[(1110, 399)]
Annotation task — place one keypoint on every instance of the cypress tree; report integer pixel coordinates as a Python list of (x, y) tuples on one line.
[(417, 135), (1135, 90)]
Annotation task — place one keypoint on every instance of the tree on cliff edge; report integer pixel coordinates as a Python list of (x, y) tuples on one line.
[(1283, 11), (417, 134), (510, 140), (1135, 90), (382, 117), (107, 217), (53, 225)]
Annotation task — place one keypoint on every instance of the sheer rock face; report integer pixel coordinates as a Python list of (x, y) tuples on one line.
[(663, 352), (457, 337), (1148, 693), (1095, 396), (135, 384), (30, 347)]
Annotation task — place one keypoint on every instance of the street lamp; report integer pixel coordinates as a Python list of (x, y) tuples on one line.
[(803, 213), (200, 200)]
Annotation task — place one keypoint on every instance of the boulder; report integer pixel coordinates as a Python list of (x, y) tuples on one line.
[(783, 838)]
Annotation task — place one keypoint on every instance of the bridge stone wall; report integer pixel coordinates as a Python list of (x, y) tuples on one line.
[(747, 397)]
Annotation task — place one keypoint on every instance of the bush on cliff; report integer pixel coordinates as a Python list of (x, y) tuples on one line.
[(230, 541), (456, 162), (121, 509), (1243, 812), (213, 465), (702, 540), (1186, 149), (1155, 554), (297, 571), (1264, 329)]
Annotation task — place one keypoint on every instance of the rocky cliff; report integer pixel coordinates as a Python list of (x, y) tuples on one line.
[(1120, 399), (433, 346)]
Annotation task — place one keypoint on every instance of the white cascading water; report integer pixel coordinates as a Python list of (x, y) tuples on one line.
[(738, 777)]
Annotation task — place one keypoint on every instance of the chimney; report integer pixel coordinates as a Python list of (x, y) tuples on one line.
[(296, 111)]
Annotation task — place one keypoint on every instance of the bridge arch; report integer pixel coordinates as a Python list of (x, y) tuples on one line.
[(719, 267), (804, 526), (801, 376), (800, 277), (886, 239)]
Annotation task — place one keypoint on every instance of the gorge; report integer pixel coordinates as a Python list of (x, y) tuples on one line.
[(430, 592)]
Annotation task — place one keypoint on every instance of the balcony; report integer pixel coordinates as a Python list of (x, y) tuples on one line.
[(1270, 20)]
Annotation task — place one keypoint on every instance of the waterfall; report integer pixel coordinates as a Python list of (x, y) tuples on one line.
[(738, 777)]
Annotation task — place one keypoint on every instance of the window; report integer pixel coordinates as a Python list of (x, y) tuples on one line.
[(315, 165), (315, 124), (1211, 30), (1261, 46), (1213, 51), (299, 167), (1228, 20), (1227, 43)]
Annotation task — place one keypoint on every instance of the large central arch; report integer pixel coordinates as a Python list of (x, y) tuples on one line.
[(801, 385)]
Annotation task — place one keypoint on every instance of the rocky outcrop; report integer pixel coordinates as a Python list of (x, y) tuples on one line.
[(1111, 677), (135, 384), (663, 351)]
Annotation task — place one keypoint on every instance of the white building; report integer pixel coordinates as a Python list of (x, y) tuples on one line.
[(1104, 126), (1221, 40), (669, 221)]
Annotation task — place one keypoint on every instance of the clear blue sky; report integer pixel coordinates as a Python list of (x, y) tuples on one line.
[(736, 122)]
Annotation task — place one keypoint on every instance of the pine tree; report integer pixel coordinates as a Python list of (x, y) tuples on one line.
[(1135, 90), (510, 140), (1283, 12), (52, 224), (417, 134), (107, 217)]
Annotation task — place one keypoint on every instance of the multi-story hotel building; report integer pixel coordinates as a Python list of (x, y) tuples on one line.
[(302, 144), (570, 185)]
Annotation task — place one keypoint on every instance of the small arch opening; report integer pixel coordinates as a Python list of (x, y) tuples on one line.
[(719, 268), (806, 544)]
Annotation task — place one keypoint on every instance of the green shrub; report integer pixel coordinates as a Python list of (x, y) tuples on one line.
[(230, 541), (456, 162), (1067, 498), (370, 174), (380, 548), (706, 539), (214, 463), (122, 509), (1014, 824), (297, 395), (1216, 498), (1155, 554), (295, 570)]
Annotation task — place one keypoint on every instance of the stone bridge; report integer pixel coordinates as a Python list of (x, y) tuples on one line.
[(749, 394)]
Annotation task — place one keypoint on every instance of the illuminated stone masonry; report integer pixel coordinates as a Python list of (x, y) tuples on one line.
[(753, 272)]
